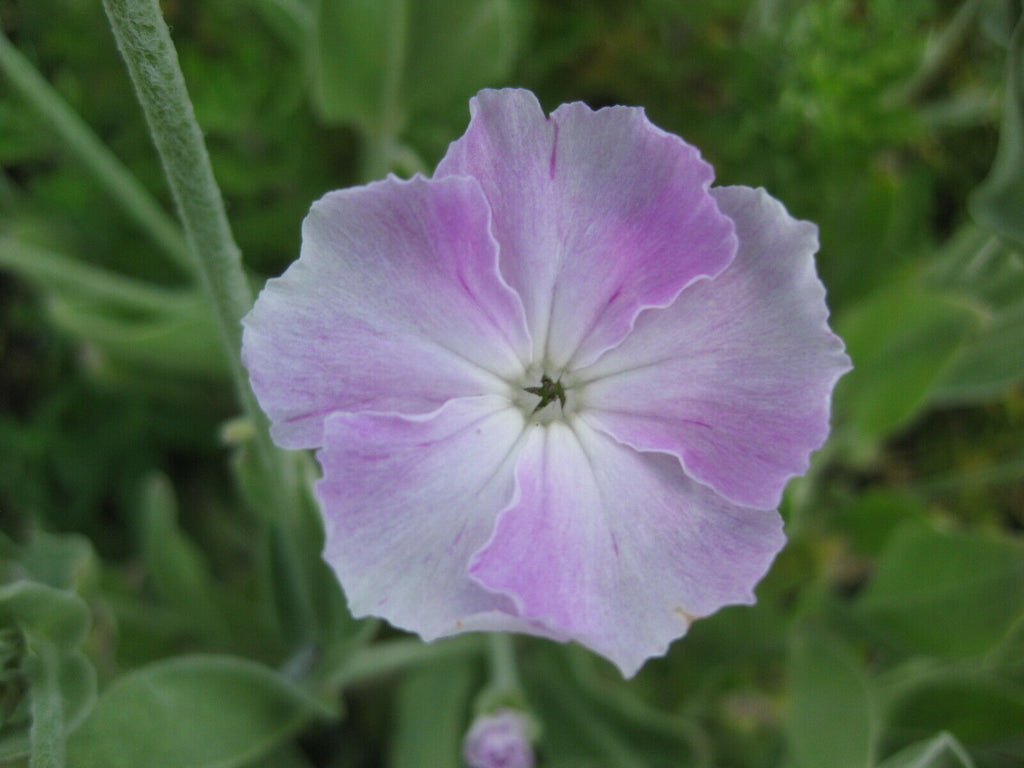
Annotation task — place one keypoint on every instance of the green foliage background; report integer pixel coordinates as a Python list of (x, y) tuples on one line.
[(138, 558)]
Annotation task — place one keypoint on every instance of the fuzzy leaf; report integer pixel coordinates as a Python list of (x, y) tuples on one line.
[(199, 711), (830, 720)]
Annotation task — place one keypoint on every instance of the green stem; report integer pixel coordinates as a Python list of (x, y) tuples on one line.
[(118, 181), (501, 656), (145, 43), (370, 663), (380, 140), (54, 269), (47, 731)]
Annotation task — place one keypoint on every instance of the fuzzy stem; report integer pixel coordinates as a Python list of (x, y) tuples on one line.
[(145, 43), (47, 730)]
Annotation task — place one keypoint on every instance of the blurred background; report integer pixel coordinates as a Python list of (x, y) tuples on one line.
[(894, 619)]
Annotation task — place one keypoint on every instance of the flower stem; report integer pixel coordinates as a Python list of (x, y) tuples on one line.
[(373, 662), (145, 43), (118, 181), (501, 656), (380, 138), (47, 730)]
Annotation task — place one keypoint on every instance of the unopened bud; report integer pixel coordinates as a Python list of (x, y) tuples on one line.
[(499, 740)]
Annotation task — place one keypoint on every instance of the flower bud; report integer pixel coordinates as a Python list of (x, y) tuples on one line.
[(498, 740)]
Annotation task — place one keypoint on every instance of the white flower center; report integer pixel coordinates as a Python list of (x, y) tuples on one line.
[(545, 396)]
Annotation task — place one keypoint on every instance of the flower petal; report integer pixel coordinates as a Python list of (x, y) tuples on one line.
[(598, 215), (620, 550), (406, 502), (735, 377), (395, 304)]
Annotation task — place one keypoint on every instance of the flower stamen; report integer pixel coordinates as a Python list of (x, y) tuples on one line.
[(548, 391)]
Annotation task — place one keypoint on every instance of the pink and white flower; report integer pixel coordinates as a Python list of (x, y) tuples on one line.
[(558, 388)]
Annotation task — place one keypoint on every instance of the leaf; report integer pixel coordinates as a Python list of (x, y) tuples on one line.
[(457, 47), (947, 594), (307, 597), (376, 64), (179, 341), (14, 743), (901, 340), (65, 561), (875, 514), (998, 202), (984, 711), (988, 275), (44, 613), (172, 330), (287, 756), (432, 715), (62, 682), (358, 49), (195, 711), (943, 751), (592, 718), (830, 720), (175, 565), (1009, 653), (990, 364)]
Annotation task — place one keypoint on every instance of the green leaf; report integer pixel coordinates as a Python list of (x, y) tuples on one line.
[(195, 711), (77, 679), (988, 275), (901, 339), (44, 613), (457, 47), (984, 711), (287, 756), (947, 594), (61, 681), (990, 364), (175, 565), (14, 743), (875, 514), (376, 64), (306, 595), (942, 751), (358, 51), (592, 718), (180, 341), (830, 719), (432, 715), (998, 202), (66, 561), (172, 330), (1009, 653)]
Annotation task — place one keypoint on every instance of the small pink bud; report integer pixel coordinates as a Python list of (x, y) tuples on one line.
[(498, 740)]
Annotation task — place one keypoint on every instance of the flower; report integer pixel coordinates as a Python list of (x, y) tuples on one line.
[(498, 740), (556, 389)]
